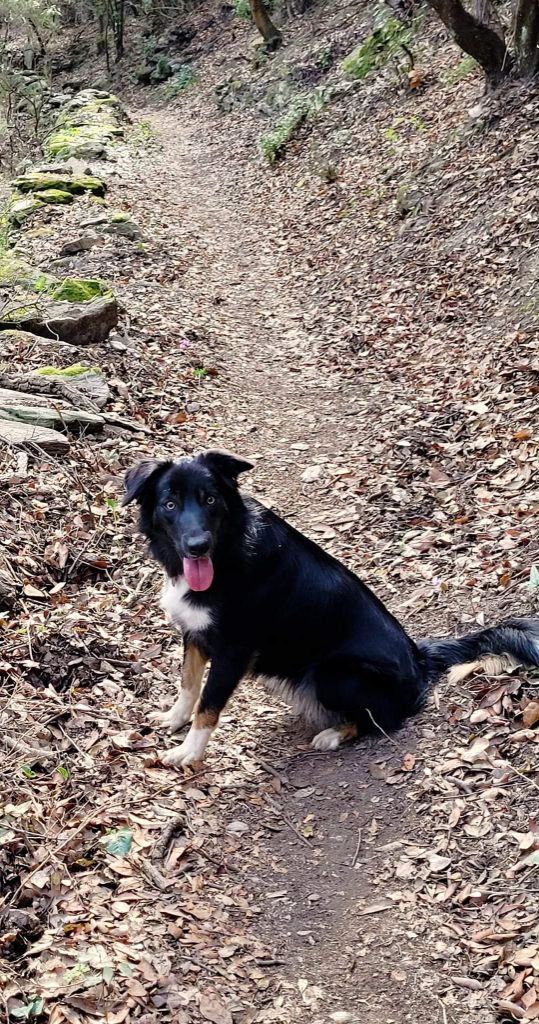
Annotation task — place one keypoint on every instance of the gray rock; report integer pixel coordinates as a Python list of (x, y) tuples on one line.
[(82, 244), (59, 99), (90, 151), (123, 229), (78, 323), (93, 222), (90, 383), (14, 434), (51, 416), (12, 340)]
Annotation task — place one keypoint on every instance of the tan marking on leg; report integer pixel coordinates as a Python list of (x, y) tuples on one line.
[(194, 663), (331, 739), (206, 719)]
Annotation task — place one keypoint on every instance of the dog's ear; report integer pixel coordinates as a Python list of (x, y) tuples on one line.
[(227, 466), (137, 477)]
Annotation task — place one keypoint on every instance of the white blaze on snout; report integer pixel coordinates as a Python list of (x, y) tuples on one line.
[(175, 602)]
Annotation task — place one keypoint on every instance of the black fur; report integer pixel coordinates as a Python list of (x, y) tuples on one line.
[(282, 607)]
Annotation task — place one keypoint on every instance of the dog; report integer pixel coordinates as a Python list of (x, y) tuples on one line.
[(253, 596)]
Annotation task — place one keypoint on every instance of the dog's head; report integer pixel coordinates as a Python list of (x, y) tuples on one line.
[(184, 508)]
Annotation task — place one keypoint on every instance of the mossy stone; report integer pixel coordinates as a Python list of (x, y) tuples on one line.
[(75, 370), (35, 181), (55, 196), (14, 271), (73, 289), (21, 209)]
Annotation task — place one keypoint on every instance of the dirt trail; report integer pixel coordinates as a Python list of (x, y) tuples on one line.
[(321, 867)]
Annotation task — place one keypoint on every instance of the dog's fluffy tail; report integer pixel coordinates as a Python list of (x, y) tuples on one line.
[(493, 651)]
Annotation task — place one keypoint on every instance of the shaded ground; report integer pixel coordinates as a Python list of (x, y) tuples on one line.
[(363, 371)]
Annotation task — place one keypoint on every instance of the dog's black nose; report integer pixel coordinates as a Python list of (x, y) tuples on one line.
[(197, 546)]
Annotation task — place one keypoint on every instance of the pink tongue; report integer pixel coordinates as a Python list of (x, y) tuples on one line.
[(198, 573)]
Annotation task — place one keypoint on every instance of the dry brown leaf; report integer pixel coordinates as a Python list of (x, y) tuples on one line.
[(212, 1009), (530, 714)]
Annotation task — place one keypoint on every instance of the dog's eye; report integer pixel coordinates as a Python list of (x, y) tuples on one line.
[(170, 504), (210, 500)]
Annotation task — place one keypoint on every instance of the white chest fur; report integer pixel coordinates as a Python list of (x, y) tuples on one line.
[(175, 602)]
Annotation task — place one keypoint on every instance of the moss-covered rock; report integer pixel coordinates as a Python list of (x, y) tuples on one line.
[(34, 181), (86, 126), (73, 289), (55, 196), (78, 323), (123, 227), (72, 141), (15, 271), (75, 370), (21, 209)]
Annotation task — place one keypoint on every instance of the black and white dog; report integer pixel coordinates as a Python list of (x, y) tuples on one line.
[(253, 596)]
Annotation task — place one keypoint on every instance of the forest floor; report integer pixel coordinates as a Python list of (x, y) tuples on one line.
[(376, 373)]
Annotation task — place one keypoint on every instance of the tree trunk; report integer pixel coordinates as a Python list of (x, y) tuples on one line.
[(101, 44), (526, 36), (485, 12), (270, 34), (482, 41)]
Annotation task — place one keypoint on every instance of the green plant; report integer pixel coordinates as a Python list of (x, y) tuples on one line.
[(183, 78), (306, 105), (242, 9), (464, 69), (144, 134), (383, 43), (325, 56)]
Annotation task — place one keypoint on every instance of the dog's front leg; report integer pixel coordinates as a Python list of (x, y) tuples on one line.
[(194, 663), (225, 673)]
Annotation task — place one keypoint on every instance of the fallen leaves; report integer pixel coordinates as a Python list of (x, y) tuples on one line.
[(212, 1009)]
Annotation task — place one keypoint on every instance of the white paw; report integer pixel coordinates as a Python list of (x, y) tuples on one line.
[(328, 739), (171, 719), (191, 750)]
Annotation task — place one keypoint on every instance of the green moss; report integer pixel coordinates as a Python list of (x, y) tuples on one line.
[(73, 289), (87, 122), (376, 50), (144, 134), (68, 141), (183, 79), (35, 181), (18, 314), (23, 208), (242, 9), (55, 196), (464, 69), (14, 271), (43, 283), (75, 370), (119, 217)]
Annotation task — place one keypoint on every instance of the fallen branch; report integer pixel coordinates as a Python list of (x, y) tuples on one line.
[(174, 828), (32, 385), (32, 753)]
